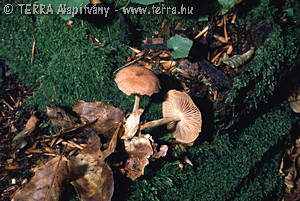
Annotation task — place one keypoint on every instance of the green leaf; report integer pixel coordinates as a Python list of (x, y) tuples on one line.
[(181, 46), (146, 2), (226, 5), (203, 18), (289, 12), (65, 8)]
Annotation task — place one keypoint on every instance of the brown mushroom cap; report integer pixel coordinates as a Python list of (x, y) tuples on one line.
[(179, 104), (137, 80)]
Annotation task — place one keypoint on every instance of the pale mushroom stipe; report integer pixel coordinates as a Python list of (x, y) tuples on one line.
[(138, 81)]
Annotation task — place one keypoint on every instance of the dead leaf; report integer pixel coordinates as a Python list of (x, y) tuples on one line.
[(47, 183), (92, 178), (60, 118), (19, 141), (290, 169), (91, 111), (178, 27), (139, 150), (106, 116)]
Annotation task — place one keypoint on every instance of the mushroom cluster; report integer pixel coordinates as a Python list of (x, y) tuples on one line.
[(180, 114), (179, 111)]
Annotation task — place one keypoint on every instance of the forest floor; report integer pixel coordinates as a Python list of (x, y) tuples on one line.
[(224, 54)]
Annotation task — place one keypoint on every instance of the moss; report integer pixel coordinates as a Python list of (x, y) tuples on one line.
[(264, 184), (273, 62), (217, 176), (66, 68)]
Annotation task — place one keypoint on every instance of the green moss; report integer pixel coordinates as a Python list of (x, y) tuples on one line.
[(66, 68), (273, 62), (217, 176), (264, 184)]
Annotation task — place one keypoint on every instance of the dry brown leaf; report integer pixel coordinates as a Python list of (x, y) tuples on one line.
[(47, 182), (60, 118), (31, 124), (178, 27), (100, 116), (139, 150), (92, 177), (290, 169), (106, 116), (164, 55), (19, 141)]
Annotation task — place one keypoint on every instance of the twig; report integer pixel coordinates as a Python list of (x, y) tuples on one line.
[(129, 63), (10, 107), (217, 56), (32, 50), (225, 30), (202, 32)]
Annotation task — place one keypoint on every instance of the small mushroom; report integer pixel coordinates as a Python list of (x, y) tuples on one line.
[(294, 101), (139, 81), (180, 107)]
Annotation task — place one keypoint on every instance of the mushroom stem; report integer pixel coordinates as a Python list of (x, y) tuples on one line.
[(159, 122), (136, 104)]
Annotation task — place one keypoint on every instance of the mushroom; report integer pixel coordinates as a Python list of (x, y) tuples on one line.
[(294, 101), (139, 150), (139, 81), (180, 108)]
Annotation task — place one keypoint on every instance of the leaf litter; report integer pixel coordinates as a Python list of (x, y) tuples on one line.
[(47, 183), (92, 177), (19, 141), (84, 163)]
